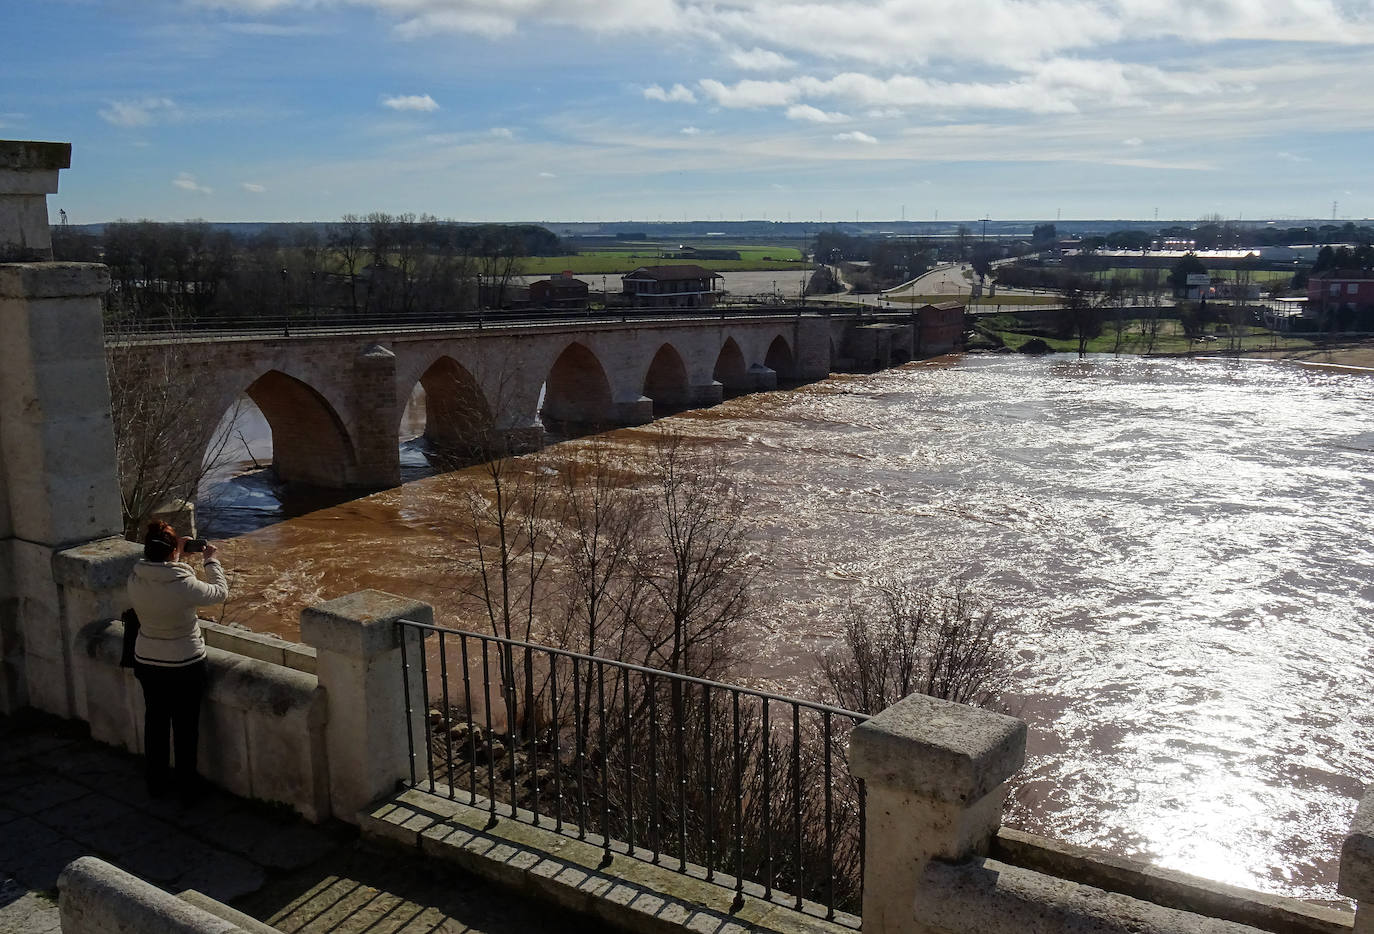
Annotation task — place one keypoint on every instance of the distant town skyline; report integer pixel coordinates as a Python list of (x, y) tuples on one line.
[(572, 110)]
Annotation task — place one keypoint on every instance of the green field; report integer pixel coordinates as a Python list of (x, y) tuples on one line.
[(1170, 340), (752, 258)]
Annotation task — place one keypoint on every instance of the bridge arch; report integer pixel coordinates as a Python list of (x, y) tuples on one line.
[(731, 370), (577, 395), (779, 358), (666, 381), (310, 444), (458, 417)]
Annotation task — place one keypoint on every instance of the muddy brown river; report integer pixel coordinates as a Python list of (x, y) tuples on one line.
[(1182, 549)]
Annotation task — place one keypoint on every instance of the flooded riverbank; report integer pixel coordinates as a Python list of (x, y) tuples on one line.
[(1182, 549)]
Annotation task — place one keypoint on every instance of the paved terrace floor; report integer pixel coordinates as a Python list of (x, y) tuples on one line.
[(63, 795)]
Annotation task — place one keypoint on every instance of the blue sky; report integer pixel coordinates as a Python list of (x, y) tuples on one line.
[(553, 110)]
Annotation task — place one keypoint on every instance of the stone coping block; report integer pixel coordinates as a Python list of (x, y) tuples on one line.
[(937, 748), (20, 155), (101, 565), (1357, 855), (53, 280), (1166, 887), (263, 647), (983, 896), (362, 624), (629, 893), (97, 898)]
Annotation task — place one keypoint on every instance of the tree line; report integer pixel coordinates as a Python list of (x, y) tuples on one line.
[(373, 265)]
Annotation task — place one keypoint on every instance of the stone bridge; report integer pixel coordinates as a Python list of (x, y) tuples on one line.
[(335, 401)]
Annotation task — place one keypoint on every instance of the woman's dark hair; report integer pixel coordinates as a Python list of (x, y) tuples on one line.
[(160, 541)]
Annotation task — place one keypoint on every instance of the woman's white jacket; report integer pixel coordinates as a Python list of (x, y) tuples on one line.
[(165, 596)]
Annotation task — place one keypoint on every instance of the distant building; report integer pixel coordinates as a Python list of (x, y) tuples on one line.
[(1341, 289), (562, 291), (687, 286), (1221, 288)]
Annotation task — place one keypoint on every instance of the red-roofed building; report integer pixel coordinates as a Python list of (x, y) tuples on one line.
[(686, 286), (562, 291), (1341, 289)]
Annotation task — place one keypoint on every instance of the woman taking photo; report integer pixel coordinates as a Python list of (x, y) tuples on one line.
[(169, 655)]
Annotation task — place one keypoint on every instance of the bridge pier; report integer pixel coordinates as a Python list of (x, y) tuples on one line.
[(627, 412), (376, 417), (704, 394)]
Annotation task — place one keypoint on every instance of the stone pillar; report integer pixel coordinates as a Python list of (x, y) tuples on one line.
[(631, 410), (28, 174), (935, 774), (1357, 865), (704, 394), (92, 581), (810, 349), (377, 419), (762, 378), (359, 667), (59, 476)]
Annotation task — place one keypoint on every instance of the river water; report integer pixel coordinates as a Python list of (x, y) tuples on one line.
[(1182, 549)]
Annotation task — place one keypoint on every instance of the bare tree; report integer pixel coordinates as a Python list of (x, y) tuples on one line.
[(904, 640), (348, 240), (698, 569), (160, 427)]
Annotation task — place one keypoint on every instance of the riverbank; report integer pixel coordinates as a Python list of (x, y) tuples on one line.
[(1352, 356)]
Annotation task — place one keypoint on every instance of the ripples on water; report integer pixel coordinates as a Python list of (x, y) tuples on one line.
[(1183, 548)]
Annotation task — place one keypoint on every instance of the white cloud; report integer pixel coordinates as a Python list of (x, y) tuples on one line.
[(768, 34), (254, 187), (815, 114), (750, 93), (677, 93), (856, 136), (1132, 141), (547, 175), (502, 132), (187, 182), (422, 102), (689, 131), (757, 59), (1291, 157), (479, 22), (143, 112)]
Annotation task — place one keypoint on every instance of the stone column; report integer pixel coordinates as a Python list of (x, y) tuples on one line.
[(1357, 865), (704, 394), (377, 418), (935, 774), (59, 476), (633, 409), (810, 349), (359, 667)]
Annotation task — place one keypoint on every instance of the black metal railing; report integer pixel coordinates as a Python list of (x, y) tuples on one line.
[(741, 787)]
